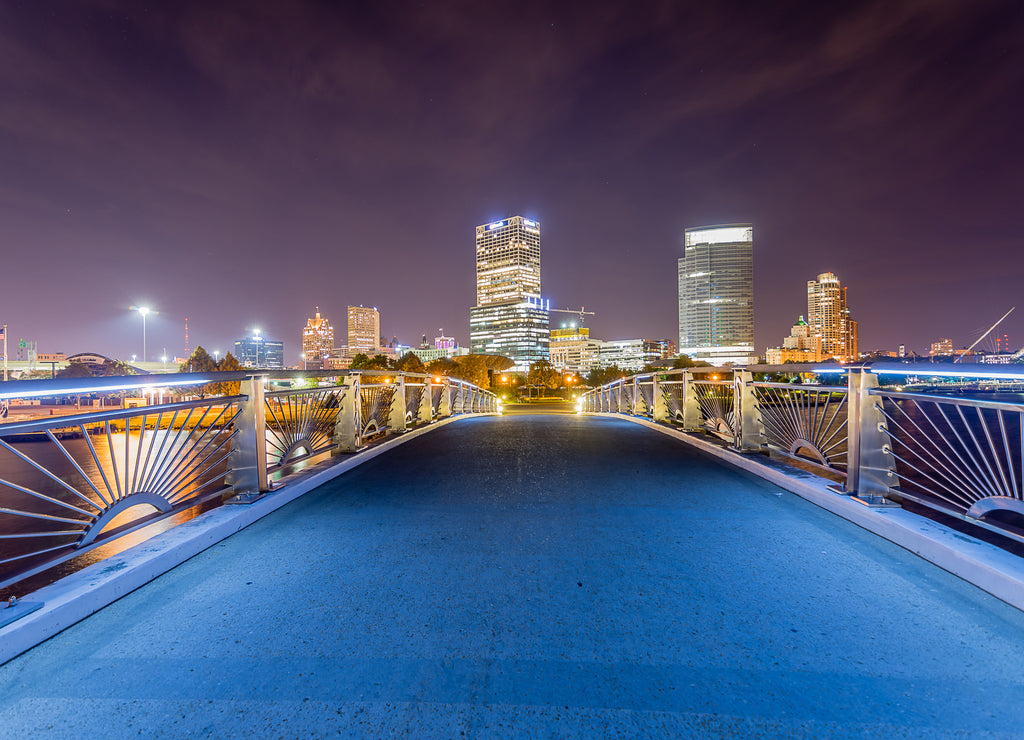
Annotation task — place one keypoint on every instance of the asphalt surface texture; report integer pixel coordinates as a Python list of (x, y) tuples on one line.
[(531, 577)]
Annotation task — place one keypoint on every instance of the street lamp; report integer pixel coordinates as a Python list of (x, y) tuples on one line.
[(164, 358), (143, 312)]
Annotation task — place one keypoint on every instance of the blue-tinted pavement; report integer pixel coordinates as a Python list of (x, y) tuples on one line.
[(536, 577)]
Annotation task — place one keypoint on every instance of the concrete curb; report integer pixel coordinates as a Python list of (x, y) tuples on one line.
[(83, 593), (986, 566)]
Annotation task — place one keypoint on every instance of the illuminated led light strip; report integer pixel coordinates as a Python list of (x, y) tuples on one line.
[(883, 370), (952, 374), (96, 389)]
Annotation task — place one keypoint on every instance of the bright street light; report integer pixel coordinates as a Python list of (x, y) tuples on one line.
[(143, 312)]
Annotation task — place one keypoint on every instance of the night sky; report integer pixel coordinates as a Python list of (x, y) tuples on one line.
[(240, 163)]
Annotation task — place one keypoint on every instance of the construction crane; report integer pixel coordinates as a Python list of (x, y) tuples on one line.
[(581, 313)]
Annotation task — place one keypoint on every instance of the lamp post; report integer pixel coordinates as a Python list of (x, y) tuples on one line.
[(143, 312)]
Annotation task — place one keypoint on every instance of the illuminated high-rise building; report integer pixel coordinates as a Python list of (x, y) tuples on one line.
[(363, 330), (317, 341), (829, 318), (258, 351), (510, 318), (716, 294), (573, 350)]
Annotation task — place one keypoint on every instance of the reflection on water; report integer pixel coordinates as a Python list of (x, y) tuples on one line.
[(51, 492)]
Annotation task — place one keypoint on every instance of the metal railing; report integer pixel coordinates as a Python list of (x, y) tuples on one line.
[(884, 446), (70, 484)]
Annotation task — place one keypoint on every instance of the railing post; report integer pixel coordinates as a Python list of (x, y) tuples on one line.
[(623, 405), (458, 398), (425, 412), (348, 428), (396, 417), (659, 411), (692, 419), (444, 406), (871, 468), (248, 474), (635, 401), (751, 432)]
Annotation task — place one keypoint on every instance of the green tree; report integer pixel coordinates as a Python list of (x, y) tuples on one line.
[(601, 375), (229, 364), (116, 367), (359, 362), (441, 366), (380, 362), (497, 363), (198, 362), (75, 370), (542, 373), (472, 368), (410, 363), (682, 362)]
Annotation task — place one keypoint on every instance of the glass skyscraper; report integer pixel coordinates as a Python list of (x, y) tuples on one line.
[(259, 352), (510, 318), (716, 294)]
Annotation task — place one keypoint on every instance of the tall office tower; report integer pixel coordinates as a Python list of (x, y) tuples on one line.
[(510, 318), (363, 330), (259, 352), (317, 341), (716, 294), (829, 318)]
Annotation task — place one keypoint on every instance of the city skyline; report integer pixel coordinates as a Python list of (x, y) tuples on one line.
[(180, 157)]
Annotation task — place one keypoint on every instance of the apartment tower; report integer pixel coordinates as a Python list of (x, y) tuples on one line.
[(829, 318)]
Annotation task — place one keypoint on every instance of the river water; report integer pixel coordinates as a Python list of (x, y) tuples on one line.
[(25, 535)]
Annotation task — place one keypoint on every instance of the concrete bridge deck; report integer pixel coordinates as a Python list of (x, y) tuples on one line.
[(535, 576)]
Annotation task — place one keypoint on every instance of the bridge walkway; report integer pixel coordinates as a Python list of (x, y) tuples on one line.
[(534, 576)]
